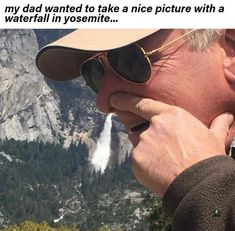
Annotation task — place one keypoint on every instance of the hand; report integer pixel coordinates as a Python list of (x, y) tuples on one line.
[(174, 140)]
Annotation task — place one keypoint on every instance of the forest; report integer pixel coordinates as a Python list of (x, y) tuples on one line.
[(42, 182)]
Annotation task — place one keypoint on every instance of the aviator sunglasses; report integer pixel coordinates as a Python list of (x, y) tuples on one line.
[(130, 63)]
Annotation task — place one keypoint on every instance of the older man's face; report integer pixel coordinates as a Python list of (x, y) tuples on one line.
[(192, 80)]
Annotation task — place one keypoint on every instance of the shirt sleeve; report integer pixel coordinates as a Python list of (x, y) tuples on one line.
[(203, 196)]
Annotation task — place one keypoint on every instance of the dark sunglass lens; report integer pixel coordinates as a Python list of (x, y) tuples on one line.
[(93, 72), (130, 63)]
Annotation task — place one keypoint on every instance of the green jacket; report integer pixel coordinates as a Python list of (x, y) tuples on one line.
[(202, 198)]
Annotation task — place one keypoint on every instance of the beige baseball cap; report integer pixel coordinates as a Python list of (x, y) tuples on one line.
[(61, 59)]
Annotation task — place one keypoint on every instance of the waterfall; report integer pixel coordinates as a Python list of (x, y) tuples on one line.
[(102, 153)]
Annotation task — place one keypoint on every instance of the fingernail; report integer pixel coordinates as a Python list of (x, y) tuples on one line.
[(230, 117)]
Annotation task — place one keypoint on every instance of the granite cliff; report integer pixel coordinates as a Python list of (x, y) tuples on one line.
[(34, 108), (28, 108)]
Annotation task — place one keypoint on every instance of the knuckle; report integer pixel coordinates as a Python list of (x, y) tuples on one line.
[(143, 104), (144, 136), (157, 123), (155, 120), (177, 111)]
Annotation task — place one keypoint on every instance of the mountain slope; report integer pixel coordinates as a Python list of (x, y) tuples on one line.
[(28, 108)]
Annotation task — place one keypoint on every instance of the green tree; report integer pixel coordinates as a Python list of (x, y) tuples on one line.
[(157, 220), (32, 226)]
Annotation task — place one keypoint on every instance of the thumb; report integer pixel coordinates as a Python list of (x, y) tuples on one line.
[(221, 124)]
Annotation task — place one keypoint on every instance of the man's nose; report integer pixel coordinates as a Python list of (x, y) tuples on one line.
[(111, 84)]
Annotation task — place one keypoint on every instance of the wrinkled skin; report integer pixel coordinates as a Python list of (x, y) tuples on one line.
[(196, 89), (174, 141)]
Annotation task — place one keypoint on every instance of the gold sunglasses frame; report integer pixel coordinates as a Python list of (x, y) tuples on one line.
[(145, 53)]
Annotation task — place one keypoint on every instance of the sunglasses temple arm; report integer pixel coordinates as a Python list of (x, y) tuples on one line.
[(148, 53)]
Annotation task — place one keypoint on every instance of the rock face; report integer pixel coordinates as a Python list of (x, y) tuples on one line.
[(31, 110), (28, 109)]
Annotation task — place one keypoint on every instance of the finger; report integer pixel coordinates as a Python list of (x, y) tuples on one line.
[(221, 124), (144, 107)]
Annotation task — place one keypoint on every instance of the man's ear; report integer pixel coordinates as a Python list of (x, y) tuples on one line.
[(229, 55)]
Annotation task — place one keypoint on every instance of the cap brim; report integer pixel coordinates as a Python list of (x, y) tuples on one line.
[(61, 59)]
